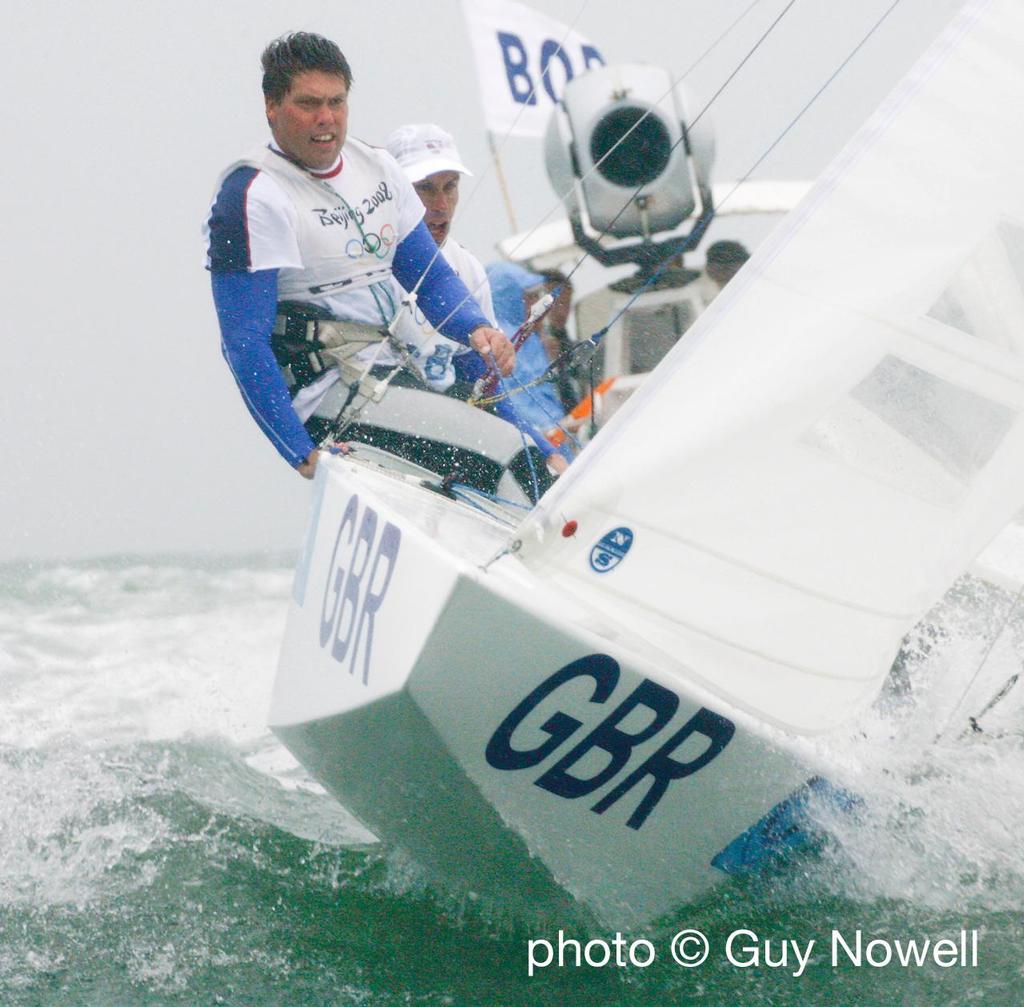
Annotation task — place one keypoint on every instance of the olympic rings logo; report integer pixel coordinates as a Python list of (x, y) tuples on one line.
[(372, 243)]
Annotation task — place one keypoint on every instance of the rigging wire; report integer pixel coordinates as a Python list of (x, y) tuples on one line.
[(595, 338), (817, 94), (588, 345), (338, 425), (527, 101), (707, 105), (753, 167), (560, 200), (757, 44)]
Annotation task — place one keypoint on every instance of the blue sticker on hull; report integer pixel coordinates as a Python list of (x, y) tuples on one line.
[(611, 550), (786, 828)]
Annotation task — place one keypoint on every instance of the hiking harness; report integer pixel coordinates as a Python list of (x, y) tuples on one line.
[(307, 342)]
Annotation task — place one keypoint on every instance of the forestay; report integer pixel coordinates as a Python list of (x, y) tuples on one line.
[(841, 433)]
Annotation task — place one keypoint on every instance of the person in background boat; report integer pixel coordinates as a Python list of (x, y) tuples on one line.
[(723, 260), (514, 291), (323, 220), (570, 383)]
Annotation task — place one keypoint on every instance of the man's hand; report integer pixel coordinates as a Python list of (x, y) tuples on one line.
[(492, 343), (557, 464), (307, 469)]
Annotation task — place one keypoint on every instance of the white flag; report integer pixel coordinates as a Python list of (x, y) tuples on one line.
[(524, 60)]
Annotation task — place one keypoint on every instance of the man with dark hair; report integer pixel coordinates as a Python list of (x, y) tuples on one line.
[(724, 259), (314, 225)]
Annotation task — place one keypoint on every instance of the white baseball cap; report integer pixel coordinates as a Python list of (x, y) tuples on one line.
[(423, 149)]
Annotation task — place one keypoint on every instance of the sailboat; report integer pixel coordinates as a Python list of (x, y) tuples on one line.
[(619, 699)]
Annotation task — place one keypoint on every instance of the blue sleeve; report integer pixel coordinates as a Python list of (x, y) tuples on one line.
[(442, 296), (470, 367), (246, 307)]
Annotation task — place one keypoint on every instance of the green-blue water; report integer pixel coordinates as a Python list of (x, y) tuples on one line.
[(157, 846)]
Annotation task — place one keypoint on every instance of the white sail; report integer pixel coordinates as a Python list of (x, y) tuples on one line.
[(841, 432)]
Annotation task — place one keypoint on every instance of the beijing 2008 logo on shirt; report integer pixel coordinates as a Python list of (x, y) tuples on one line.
[(611, 550)]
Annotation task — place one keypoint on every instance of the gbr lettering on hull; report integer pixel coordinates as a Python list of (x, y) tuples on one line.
[(360, 572), (652, 775)]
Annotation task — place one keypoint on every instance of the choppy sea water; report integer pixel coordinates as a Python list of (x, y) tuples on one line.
[(157, 846)]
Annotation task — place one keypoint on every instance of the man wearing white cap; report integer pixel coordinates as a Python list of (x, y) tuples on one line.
[(432, 163)]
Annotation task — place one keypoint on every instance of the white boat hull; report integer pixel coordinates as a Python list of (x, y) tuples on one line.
[(513, 742)]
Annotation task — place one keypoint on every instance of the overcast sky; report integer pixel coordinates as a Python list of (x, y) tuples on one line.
[(123, 431)]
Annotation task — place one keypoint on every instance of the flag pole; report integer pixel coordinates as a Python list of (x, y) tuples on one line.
[(502, 182)]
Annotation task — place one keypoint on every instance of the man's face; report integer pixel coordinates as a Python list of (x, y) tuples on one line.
[(439, 194), (309, 123), (720, 273)]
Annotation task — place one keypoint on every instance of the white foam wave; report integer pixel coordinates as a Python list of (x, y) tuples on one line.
[(941, 816), (103, 664), (58, 843), (134, 653)]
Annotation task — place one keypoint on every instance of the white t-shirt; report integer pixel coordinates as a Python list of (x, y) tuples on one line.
[(431, 352), (331, 235)]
